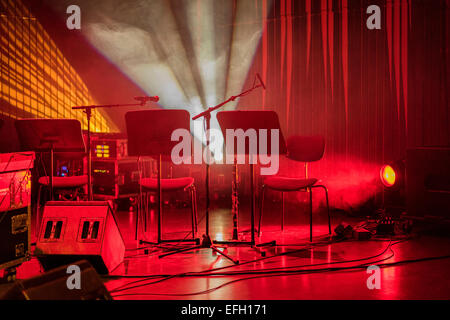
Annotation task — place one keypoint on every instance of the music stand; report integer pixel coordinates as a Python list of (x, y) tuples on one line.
[(246, 120), (50, 135), (149, 134)]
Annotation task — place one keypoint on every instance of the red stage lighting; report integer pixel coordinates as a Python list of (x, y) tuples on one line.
[(392, 176), (388, 176)]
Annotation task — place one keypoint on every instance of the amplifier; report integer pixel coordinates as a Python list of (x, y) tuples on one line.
[(75, 230), (15, 198), (115, 179), (428, 182), (108, 146)]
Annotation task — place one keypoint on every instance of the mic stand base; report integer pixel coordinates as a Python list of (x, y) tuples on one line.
[(206, 244), (254, 246)]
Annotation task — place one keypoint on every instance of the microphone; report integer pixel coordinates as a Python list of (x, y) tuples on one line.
[(260, 80), (143, 100)]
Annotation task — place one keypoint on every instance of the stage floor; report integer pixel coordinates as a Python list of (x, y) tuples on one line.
[(141, 273)]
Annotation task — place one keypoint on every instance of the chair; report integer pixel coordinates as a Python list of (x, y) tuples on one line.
[(304, 149), (149, 134), (60, 137), (63, 185)]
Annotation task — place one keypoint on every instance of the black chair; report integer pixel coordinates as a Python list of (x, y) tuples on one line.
[(149, 135), (305, 149)]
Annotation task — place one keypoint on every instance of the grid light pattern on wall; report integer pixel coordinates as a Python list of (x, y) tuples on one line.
[(35, 78)]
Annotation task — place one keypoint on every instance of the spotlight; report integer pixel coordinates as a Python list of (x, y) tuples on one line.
[(392, 175), (388, 176)]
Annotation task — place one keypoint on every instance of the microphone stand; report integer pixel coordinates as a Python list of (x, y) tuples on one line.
[(206, 241), (88, 111), (207, 115)]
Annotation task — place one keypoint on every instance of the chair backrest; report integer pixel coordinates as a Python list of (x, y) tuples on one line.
[(150, 131), (305, 148)]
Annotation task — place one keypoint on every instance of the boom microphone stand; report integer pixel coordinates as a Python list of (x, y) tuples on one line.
[(207, 116), (206, 241), (88, 111)]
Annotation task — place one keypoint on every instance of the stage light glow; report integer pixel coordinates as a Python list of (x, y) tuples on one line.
[(388, 176), (219, 236), (193, 54)]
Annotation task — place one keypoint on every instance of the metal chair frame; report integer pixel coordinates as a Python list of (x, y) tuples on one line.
[(144, 204), (302, 189)]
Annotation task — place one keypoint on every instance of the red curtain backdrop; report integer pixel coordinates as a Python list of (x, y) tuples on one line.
[(371, 93)]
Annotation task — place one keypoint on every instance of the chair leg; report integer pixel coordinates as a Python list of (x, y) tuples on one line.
[(328, 205), (191, 192), (261, 210), (148, 210), (138, 213), (328, 209), (160, 202), (145, 216), (194, 192), (38, 211), (310, 214), (141, 213), (282, 211)]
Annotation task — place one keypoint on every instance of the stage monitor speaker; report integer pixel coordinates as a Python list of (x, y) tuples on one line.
[(428, 182), (53, 285), (72, 231)]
